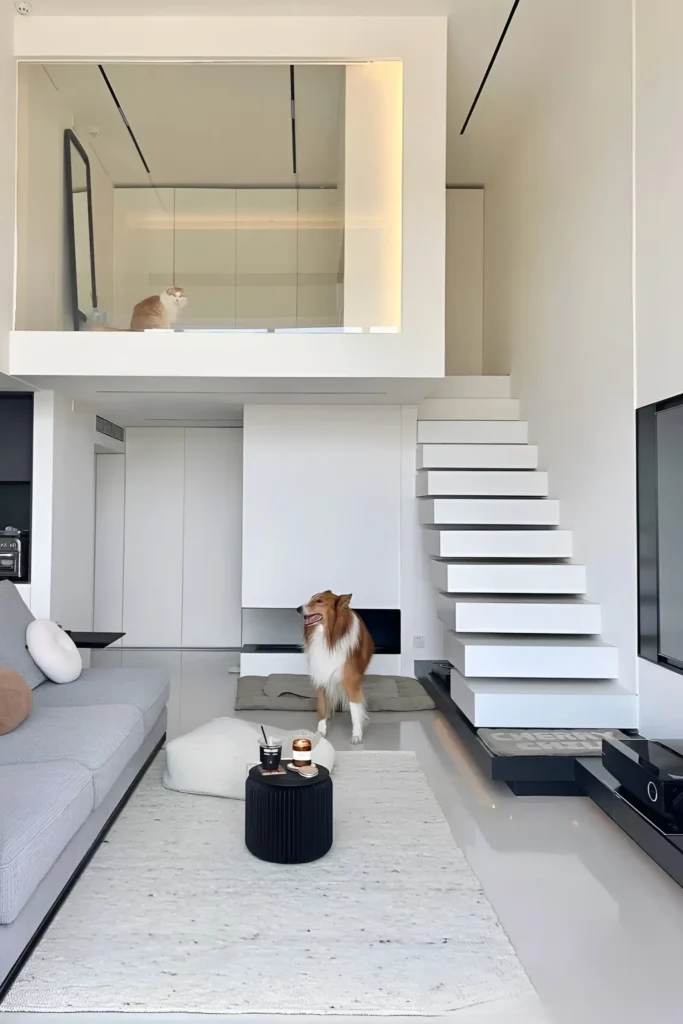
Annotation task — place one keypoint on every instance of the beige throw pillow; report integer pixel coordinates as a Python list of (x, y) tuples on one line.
[(16, 700)]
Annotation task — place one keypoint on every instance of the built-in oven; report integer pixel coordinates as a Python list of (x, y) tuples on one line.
[(11, 561)]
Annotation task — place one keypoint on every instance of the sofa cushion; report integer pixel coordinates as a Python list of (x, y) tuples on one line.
[(16, 700), (102, 739), (14, 620), (42, 806), (145, 689), (53, 651)]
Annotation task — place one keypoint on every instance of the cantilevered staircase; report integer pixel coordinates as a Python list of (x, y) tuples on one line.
[(522, 640)]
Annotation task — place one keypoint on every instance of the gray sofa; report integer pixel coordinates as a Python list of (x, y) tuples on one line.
[(63, 774)]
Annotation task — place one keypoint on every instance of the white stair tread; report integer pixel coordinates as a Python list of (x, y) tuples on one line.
[(472, 387), (513, 657), (544, 703), (477, 456), (468, 409), (509, 577), (499, 543), (487, 511), (472, 432), (498, 640), (454, 482), (505, 614)]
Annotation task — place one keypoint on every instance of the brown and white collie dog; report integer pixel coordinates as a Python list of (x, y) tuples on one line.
[(339, 650)]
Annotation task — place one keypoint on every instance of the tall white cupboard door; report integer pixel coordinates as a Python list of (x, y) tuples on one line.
[(110, 484), (212, 562), (153, 556)]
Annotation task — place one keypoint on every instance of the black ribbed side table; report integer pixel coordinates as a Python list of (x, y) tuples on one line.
[(288, 819)]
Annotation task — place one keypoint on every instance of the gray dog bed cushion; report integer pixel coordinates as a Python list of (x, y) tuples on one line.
[(282, 692)]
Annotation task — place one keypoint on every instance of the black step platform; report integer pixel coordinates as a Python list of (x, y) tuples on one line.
[(534, 762)]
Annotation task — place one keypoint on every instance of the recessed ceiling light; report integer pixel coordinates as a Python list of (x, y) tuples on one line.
[(23, 7)]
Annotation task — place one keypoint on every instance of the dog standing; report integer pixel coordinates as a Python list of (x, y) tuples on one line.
[(339, 650)]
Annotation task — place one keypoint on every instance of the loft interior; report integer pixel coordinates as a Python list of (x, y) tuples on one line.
[(379, 299)]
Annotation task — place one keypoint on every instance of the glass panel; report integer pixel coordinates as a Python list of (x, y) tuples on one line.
[(279, 210), (143, 248)]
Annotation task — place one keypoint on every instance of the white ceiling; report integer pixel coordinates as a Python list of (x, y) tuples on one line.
[(207, 124), (473, 30)]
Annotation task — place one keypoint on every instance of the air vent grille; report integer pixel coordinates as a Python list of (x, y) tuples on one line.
[(110, 429)]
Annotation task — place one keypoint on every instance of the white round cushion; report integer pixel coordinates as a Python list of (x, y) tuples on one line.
[(214, 759), (53, 651)]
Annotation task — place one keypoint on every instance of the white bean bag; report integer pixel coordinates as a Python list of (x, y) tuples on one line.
[(213, 760), (53, 651)]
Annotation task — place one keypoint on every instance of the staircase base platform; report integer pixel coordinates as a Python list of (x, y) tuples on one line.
[(527, 772), (648, 830)]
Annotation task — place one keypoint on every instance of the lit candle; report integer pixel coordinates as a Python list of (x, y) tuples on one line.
[(301, 752)]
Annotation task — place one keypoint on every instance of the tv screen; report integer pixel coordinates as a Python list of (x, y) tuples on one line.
[(660, 532)]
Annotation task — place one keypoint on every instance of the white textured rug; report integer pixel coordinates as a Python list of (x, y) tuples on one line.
[(174, 915)]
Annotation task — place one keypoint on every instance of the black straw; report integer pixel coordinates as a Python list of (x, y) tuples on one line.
[(265, 738)]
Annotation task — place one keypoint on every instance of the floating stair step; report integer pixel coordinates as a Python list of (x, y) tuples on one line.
[(489, 512), (544, 703), (528, 657), (499, 543), (506, 483), (472, 432), (477, 456), (509, 577), (468, 409), (472, 387), (541, 615)]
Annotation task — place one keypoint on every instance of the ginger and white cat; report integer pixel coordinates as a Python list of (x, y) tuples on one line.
[(156, 312)]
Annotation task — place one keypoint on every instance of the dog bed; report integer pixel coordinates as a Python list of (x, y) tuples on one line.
[(281, 692), (213, 760)]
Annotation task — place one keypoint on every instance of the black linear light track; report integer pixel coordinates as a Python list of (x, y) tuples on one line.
[(292, 107), (124, 118), (491, 63)]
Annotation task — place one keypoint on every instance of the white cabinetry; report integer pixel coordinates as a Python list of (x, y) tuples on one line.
[(168, 538)]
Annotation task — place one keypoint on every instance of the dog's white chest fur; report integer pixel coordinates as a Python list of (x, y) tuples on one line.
[(326, 664)]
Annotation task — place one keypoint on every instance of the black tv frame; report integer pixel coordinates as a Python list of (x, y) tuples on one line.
[(649, 646)]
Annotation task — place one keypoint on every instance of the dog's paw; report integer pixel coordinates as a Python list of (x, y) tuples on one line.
[(356, 738), (322, 727)]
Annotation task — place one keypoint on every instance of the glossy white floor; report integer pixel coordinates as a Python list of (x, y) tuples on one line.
[(596, 924)]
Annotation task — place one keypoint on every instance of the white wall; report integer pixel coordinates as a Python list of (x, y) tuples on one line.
[(464, 280), (8, 120), (63, 518), (42, 267), (322, 490), (329, 502), (658, 262), (558, 296)]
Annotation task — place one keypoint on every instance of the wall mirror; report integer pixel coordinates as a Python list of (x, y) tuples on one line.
[(79, 231)]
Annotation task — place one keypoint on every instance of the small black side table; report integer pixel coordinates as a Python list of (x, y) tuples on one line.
[(93, 641), (288, 819)]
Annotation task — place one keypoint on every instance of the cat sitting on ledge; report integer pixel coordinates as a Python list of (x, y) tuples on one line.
[(155, 313)]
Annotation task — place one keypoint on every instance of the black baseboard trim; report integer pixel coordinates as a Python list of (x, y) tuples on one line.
[(11, 977)]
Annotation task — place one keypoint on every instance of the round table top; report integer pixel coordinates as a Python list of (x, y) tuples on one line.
[(290, 780)]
